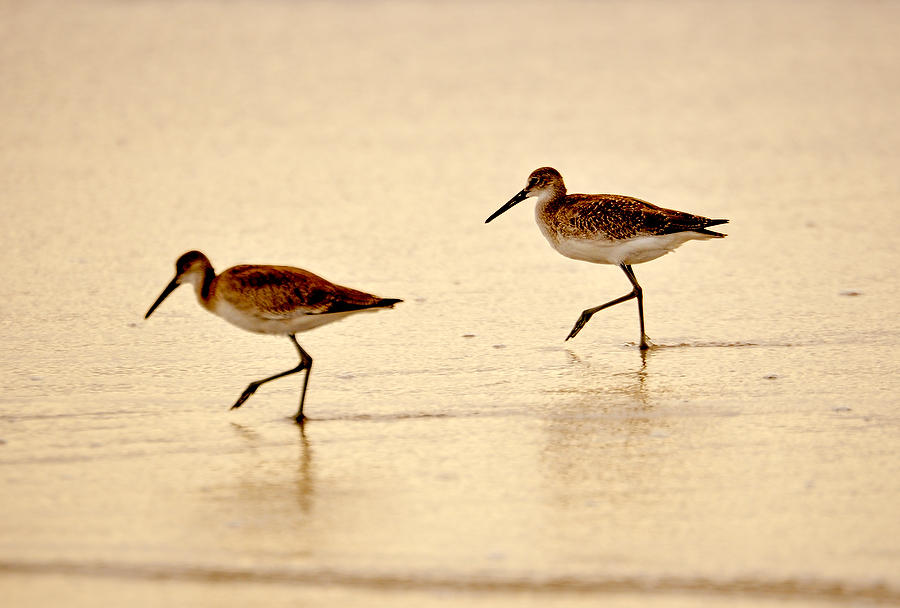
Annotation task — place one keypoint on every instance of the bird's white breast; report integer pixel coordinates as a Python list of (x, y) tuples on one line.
[(599, 250), (292, 323)]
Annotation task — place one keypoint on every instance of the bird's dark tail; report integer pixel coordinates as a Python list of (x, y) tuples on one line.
[(712, 233), (368, 304), (387, 302)]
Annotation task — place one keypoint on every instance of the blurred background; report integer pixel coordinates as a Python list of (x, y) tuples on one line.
[(458, 450)]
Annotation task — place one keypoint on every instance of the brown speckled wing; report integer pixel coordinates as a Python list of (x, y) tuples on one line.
[(615, 217), (284, 291)]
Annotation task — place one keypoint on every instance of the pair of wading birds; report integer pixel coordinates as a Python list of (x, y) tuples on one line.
[(597, 228)]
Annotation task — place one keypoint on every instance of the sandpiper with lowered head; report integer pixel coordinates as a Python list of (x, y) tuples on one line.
[(608, 229), (280, 300)]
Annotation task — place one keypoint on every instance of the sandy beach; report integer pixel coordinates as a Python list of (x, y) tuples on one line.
[(458, 451)]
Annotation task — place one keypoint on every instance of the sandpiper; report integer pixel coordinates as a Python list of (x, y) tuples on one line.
[(607, 229), (280, 300)]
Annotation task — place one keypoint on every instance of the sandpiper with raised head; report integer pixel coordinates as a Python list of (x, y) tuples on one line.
[(608, 229)]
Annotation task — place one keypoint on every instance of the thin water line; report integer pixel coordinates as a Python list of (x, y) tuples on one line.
[(787, 588)]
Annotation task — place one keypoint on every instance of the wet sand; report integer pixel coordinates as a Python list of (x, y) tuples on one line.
[(458, 450)]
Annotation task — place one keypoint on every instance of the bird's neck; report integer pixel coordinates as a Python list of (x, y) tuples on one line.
[(203, 285), (550, 198)]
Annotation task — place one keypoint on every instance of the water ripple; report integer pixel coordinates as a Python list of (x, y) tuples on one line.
[(788, 588)]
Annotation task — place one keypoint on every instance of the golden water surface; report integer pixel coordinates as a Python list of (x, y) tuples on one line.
[(459, 451)]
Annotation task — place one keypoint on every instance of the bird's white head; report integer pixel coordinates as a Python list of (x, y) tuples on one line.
[(543, 184), (193, 267)]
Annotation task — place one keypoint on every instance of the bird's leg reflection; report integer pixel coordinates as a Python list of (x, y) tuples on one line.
[(641, 374), (248, 433), (596, 384), (305, 482), (285, 484), (637, 388)]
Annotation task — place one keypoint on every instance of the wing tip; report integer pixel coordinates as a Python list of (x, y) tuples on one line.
[(713, 233), (387, 302)]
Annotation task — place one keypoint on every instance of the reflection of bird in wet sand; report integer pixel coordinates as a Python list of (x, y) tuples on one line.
[(279, 300), (608, 229)]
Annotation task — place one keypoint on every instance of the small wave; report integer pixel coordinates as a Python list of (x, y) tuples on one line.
[(737, 344), (789, 588)]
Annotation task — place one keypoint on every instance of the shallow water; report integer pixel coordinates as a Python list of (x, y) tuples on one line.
[(458, 449)]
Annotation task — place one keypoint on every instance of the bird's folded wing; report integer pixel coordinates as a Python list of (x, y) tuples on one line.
[(279, 292), (615, 216)]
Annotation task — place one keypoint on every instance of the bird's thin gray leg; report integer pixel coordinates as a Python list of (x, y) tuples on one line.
[(305, 363), (639, 294), (636, 292)]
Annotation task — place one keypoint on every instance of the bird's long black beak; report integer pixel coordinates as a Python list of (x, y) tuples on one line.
[(521, 196), (169, 289)]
